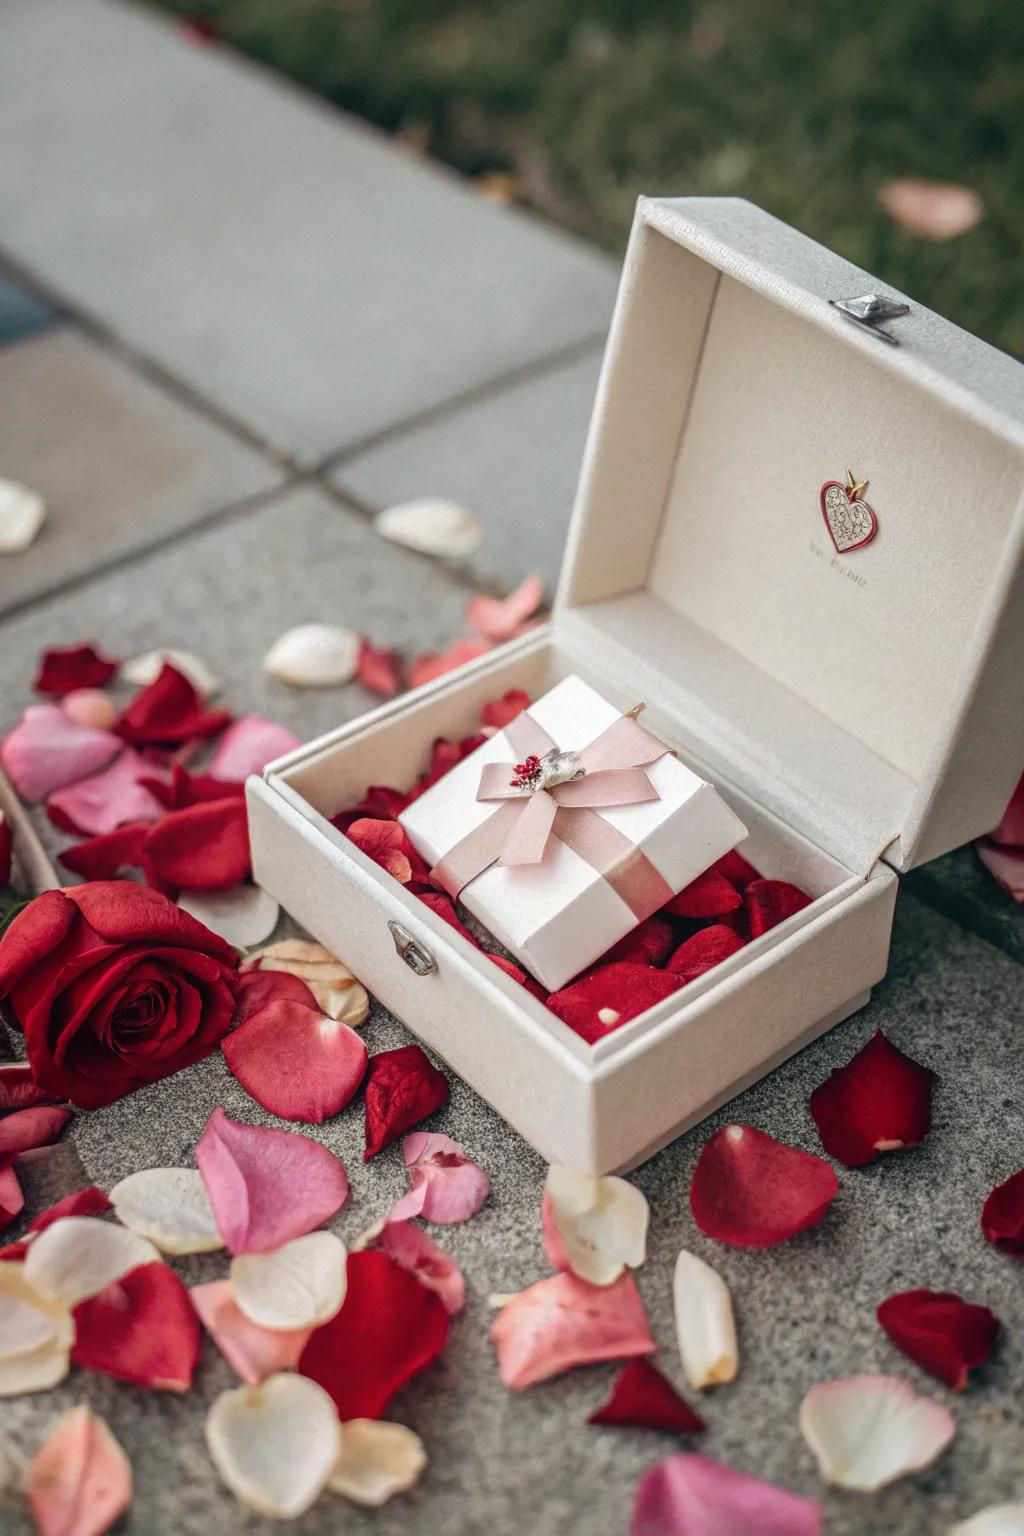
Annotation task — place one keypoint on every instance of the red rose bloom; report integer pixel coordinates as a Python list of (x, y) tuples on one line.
[(113, 987)]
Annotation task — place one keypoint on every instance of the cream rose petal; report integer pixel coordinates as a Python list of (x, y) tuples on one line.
[(80, 1482), (243, 916), (145, 669), (705, 1326), (22, 512), (335, 989), (377, 1460), (997, 1520), (35, 1335), (299, 1285), (867, 1431), (431, 526), (170, 1207), (594, 1226), (314, 656), (276, 1444), (79, 1256)]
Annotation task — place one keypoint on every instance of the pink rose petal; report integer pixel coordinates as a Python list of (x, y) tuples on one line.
[(267, 1186), (91, 707), (46, 750), (932, 210), (447, 1186), (80, 1482), (687, 1495), (254, 1352), (293, 1059), (501, 618), (29, 1128), (12, 1201), (249, 745), (431, 665), (562, 1322), (107, 800), (1004, 864), (410, 1246)]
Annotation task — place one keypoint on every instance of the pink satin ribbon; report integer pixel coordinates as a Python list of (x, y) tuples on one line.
[(519, 830)]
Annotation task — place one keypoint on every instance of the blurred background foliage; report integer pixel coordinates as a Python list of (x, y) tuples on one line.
[(807, 107)]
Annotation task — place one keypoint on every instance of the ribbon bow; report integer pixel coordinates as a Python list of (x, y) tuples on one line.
[(557, 794)]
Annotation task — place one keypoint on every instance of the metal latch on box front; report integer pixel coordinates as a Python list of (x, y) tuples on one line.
[(416, 956)]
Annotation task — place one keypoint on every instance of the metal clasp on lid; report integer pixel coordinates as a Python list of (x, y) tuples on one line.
[(871, 310), (416, 955)]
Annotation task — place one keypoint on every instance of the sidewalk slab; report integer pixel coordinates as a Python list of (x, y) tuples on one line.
[(286, 262), (961, 887), (21, 312), (513, 458), (120, 461)]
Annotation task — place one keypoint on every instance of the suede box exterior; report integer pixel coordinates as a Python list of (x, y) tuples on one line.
[(858, 712)]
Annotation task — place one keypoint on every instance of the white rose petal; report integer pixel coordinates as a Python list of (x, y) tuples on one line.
[(602, 1223), (432, 527), (867, 1431), (244, 916), (705, 1326), (22, 513), (314, 656), (145, 669), (78, 1256), (170, 1207), (377, 1460), (298, 1285), (275, 1444), (997, 1520), (36, 1335)]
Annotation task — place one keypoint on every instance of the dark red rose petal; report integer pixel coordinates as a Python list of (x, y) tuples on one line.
[(642, 1398), (703, 950), (710, 895), (297, 1063), (881, 1101), (84, 1202), (649, 943), (26, 1129), (753, 1191), (6, 850), (942, 1334), (623, 987), (256, 989), (204, 847), (169, 712), (143, 1328), (186, 788), (499, 712), (19, 1089), (402, 1088), (444, 755), (386, 844), (1002, 1217), (106, 856), (389, 1328), (76, 666), (769, 902), (444, 908), (737, 869), (379, 670)]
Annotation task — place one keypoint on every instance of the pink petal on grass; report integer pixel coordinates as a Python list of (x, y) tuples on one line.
[(1004, 864), (267, 1186), (500, 618), (107, 800), (562, 1322), (248, 746), (447, 1186), (292, 1058), (80, 1481), (410, 1246), (687, 1495), (932, 210), (254, 1352), (46, 750)]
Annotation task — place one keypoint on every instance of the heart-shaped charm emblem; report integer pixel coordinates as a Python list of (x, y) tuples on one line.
[(850, 521)]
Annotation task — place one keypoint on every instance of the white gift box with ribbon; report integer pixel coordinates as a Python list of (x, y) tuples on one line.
[(596, 869)]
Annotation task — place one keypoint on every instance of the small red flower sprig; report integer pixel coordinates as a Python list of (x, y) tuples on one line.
[(527, 774)]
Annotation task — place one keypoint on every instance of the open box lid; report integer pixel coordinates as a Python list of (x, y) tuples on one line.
[(872, 699)]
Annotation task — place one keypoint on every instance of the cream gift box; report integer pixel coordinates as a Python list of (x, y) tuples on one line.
[(560, 915), (861, 714)]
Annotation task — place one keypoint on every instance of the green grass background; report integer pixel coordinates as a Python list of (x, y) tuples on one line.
[(806, 108)]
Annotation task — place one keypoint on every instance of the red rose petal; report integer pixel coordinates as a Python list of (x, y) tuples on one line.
[(703, 950), (142, 1328), (389, 1328), (649, 943), (97, 805), (1004, 864), (444, 908), (76, 666), (168, 712), (444, 755), (625, 988), (710, 895), (737, 869), (204, 847), (379, 670), (881, 1101), (499, 712), (386, 844), (19, 1089), (257, 988), (186, 788), (267, 1186), (248, 745), (642, 1398), (942, 1334), (1011, 828), (84, 1202), (6, 850), (1002, 1216), (103, 858), (296, 1062), (430, 665), (753, 1191), (769, 902), (501, 618), (562, 1322), (402, 1088), (26, 1129)]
